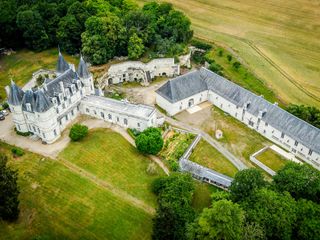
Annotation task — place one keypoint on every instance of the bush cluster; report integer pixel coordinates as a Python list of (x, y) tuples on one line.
[(17, 152), (78, 132), (150, 141)]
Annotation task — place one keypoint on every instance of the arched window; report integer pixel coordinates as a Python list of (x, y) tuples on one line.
[(125, 121), (109, 116)]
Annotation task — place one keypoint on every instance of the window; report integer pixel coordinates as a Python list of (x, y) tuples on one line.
[(251, 123), (55, 132), (69, 100), (180, 107), (34, 129), (296, 143), (266, 124), (60, 122), (282, 135), (63, 105), (95, 112), (18, 126), (236, 114), (44, 135), (125, 121), (102, 114), (28, 105), (117, 119), (67, 118), (72, 113), (109, 116), (78, 107), (138, 124), (310, 152), (87, 110), (57, 110)]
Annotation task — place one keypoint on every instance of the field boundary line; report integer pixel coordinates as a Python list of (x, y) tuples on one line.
[(109, 187)]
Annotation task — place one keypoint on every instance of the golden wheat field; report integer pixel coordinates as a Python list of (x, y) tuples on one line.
[(279, 40)]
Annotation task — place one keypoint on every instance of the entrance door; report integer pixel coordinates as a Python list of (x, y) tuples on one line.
[(191, 102)]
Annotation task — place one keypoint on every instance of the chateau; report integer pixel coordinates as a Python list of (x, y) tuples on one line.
[(274, 123), (47, 110)]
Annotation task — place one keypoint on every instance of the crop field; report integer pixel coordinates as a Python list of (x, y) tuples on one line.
[(58, 201), (278, 40), (20, 65)]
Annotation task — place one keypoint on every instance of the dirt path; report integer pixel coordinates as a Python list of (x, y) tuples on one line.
[(109, 187)]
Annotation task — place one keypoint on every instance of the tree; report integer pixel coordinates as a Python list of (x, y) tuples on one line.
[(99, 41), (224, 220), (135, 47), (306, 113), (78, 132), (245, 183), (9, 191), (308, 222), (174, 212), (300, 180), (150, 141), (34, 34), (273, 211)]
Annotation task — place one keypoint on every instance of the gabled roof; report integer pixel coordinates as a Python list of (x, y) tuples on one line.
[(62, 65), (68, 78), (197, 81), (42, 102), (183, 87), (15, 95), (83, 69)]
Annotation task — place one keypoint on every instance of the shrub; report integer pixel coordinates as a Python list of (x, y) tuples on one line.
[(198, 57), (5, 105), (150, 141), (200, 44), (220, 53), (236, 65), (78, 132), (133, 132), (214, 67), (40, 80), (17, 152), (24, 134), (174, 165), (229, 57)]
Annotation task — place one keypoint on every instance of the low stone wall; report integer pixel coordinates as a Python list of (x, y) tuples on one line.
[(260, 164)]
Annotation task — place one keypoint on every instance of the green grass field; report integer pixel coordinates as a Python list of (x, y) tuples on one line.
[(58, 203), (278, 40), (20, 65), (206, 155), (202, 196), (272, 160), (110, 157)]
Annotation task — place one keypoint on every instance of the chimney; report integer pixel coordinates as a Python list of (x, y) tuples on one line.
[(7, 88)]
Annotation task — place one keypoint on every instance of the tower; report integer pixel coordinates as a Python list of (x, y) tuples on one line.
[(85, 77), (15, 97), (62, 65)]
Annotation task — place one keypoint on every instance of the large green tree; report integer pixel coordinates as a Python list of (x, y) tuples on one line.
[(300, 180), (224, 220), (9, 191), (150, 141), (30, 23), (275, 212), (174, 212), (245, 183), (99, 41), (135, 47)]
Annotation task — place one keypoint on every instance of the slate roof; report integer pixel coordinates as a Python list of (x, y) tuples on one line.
[(203, 172), (68, 78), (83, 69), (62, 65), (43, 102), (200, 80), (29, 97), (183, 87), (15, 95)]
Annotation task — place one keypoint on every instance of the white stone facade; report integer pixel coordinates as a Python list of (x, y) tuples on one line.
[(241, 113), (144, 73), (47, 111)]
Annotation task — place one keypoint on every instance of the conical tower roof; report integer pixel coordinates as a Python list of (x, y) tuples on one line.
[(29, 97), (15, 95), (62, 65), (43, 102), (83, 71)]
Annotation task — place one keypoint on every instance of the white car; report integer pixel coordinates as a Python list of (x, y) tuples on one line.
[(5, 112)]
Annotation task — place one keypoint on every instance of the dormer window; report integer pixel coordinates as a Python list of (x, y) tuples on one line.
[(67, 92), (79, 84), (54, 100), (60, 97), (73, 88), (28, 106)]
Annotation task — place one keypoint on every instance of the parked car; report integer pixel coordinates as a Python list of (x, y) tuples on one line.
[(2, 117), (5, 112)]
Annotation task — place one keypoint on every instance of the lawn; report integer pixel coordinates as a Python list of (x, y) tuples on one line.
[(202, 196), (272, 160), (206, 155), (112, 158), (57, 203), (278, 40), (23, 63)]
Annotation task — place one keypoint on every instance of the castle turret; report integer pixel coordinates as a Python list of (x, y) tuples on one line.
[(85, 77), (62, 65), (15, 103), (48, 128)]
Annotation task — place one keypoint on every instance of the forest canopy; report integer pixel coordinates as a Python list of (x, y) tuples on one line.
[(101, 29)]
